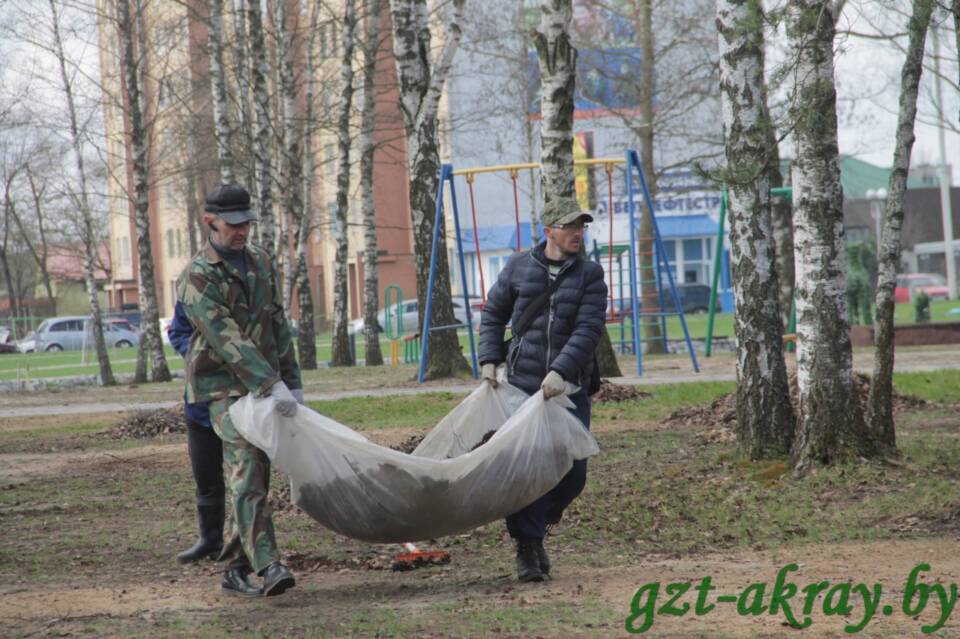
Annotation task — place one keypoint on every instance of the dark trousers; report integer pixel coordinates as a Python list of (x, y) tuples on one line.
[(206, 459), (533, 520)]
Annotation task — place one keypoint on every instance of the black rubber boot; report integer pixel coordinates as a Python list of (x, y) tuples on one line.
[(236, 584), (210, 542), (276, 579), (528, 561), (543, 558)]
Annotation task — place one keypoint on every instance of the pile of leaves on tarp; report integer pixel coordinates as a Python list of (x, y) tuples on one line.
[(721, 414), (149, 423), (409, 444), (610, 392)]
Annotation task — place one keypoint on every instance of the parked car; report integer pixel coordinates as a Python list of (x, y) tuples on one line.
[(411, 319), (694, 298), (911, 284), (7, 345), (131, 315), (71, 333), (165, 323)]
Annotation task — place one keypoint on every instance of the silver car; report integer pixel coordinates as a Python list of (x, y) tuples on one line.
[(410, 320), (72, 333)]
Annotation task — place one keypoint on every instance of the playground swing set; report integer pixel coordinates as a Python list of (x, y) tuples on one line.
[(668, 300)]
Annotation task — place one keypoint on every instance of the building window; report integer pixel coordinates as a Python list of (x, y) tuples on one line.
[(170, 246), (180, 242)]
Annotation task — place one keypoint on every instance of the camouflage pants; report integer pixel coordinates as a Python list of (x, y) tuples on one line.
[(251, 540)]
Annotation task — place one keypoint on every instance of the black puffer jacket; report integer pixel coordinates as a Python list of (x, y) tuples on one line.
[(562, 337)]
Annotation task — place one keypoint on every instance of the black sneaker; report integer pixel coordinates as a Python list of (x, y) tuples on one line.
[(543, 558), (236, 584), (528, 561), (277, 579)]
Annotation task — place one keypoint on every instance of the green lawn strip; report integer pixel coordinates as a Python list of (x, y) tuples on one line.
[(662, 400), (397, 411), (937, 386)]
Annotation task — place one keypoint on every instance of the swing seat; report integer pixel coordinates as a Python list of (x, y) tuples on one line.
[(448, 485)]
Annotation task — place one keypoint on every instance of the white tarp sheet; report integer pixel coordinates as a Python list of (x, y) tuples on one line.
[(377, 494)]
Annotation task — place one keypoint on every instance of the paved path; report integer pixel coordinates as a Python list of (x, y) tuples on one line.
[(661, 378)]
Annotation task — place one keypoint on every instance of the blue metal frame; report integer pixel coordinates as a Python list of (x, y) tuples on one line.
[(633, 161), (446, 175)]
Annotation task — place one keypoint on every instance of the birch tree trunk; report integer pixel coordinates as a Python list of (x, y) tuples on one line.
[(421, 84), (306, 335), (830, 420), (218, 85), (558, 68), (264, 134), (371, 279), (765, 422), (294, 153), (341, 354), (241, 66), (880, 409), (781, 218), (105, 375), (149, 315)]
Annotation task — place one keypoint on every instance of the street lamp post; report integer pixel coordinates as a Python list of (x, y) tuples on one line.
[(878, 198)]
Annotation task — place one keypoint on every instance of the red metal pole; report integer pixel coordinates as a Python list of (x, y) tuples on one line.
[(476, 238)]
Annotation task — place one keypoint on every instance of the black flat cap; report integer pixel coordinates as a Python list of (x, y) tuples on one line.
[(231, 202)]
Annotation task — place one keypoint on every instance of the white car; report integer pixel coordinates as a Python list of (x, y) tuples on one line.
[(410, 320), (164, 327)]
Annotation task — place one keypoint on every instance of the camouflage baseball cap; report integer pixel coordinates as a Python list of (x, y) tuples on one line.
[(231, 202), (562, 210)]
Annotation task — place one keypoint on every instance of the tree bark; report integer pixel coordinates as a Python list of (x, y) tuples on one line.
[(294, 152), (12, 288), (880, 406), (149, 315), (306, 333), (241, 66), (371, 280), (421, 84), (830, 421), (558, 75), (341, 354), (264, 135), (218, 85), (648, 285), (87, 235), (765, 422)]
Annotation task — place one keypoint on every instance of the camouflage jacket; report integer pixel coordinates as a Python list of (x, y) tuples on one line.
[(241, 342)]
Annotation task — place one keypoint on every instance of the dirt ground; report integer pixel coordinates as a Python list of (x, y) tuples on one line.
[(83, 569)]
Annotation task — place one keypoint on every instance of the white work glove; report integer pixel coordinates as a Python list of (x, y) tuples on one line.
[(284, 399), (553, 385), (298, 395), (488, 373)]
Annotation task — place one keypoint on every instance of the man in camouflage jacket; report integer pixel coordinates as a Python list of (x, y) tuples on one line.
[(241, 344)]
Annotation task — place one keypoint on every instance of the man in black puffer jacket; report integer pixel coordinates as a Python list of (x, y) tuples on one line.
[(557, 347)]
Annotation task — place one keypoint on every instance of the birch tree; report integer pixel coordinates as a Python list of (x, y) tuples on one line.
[(264, 136), (558, 73), (306, 335), (830, 420), (218, 85), (151, 344), (341, 354), (880, 409), (421, 81), (87, 232), (39, 249), (371, 280), (293, 134), (764, 417)]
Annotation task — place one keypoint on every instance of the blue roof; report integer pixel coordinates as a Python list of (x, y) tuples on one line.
[(675, 226)]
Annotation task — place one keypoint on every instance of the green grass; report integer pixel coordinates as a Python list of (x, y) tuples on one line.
[(937, 386), (401, 411)]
